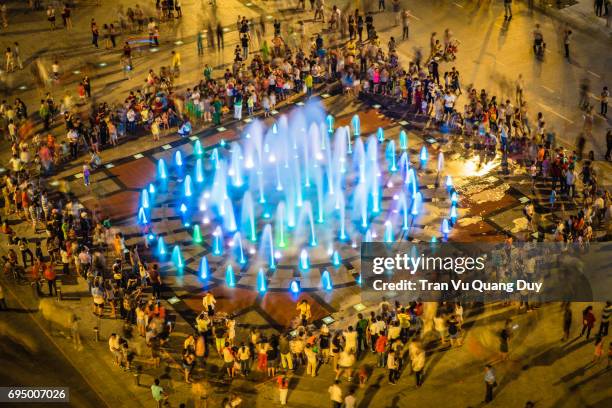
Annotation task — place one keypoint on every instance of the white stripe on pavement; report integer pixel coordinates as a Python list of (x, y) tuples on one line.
[(458, 5), (548, 89), (551, 110), (594, 74)]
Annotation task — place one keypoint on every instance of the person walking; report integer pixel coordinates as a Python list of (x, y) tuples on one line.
[(605, 319), (2, 299), (392, 366), (405, 15), (220, 42), (567, 321), (507, 10), (51, 16), (588, 321), (603, 98), (608, 155), (158, 393), (490, 383), (19, 61), (283, 389), (567, 36), (95, 33), (200, 43), (50, 277), (418, 364), (9, 58), (335, 394)]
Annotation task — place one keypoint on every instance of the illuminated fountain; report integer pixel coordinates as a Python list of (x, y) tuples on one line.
[(301, 194)]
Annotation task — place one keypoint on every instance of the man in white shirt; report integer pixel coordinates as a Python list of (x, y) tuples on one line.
[(449, 103), (350, 339), (335, 394), (114, 347), (350, 401)]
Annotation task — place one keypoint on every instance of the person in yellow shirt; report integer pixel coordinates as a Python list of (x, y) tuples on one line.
[(176, 62), (308, 83), (304, 309)]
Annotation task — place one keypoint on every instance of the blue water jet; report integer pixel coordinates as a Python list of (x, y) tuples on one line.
[(304, 261), (336, 260), (403, 140), (161, 246), (326, 280), (229, 276), (177, 258), (187, 188), (162, 172), (197, 148), (294, 287), (262, 286), (204, 271)]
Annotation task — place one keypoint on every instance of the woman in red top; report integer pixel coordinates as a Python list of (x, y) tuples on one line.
[(588, 321)]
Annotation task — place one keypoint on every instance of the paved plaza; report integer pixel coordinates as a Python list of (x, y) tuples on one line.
[(494, 190)]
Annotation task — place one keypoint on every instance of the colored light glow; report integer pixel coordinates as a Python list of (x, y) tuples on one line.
[(161, 246), (197, 235), (326, 280), (229, 276), (204, 271), (294, 287), (336, 260), (177, 257), (424, 155), (261, 281), (304, 261)]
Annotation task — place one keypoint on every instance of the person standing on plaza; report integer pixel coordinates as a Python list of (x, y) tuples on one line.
[(244, 358), (17, 56), (567, 321), (304, 312), (605, 319), (283, 388), (155, 279), (405, 16), (95, 33), (152, 30), (285, 353), (588, 321), (220, 42), (2, 299), (567, 37), (335, 394), (66, 17), (209, 301), (311, 360), (51, 16), (392, 366), (504, 337), (490, 383), (200, 43), (603, 98), (507, 9), (51, 278), (175, 64), (9, 58), (158, 393), (417, 359)]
